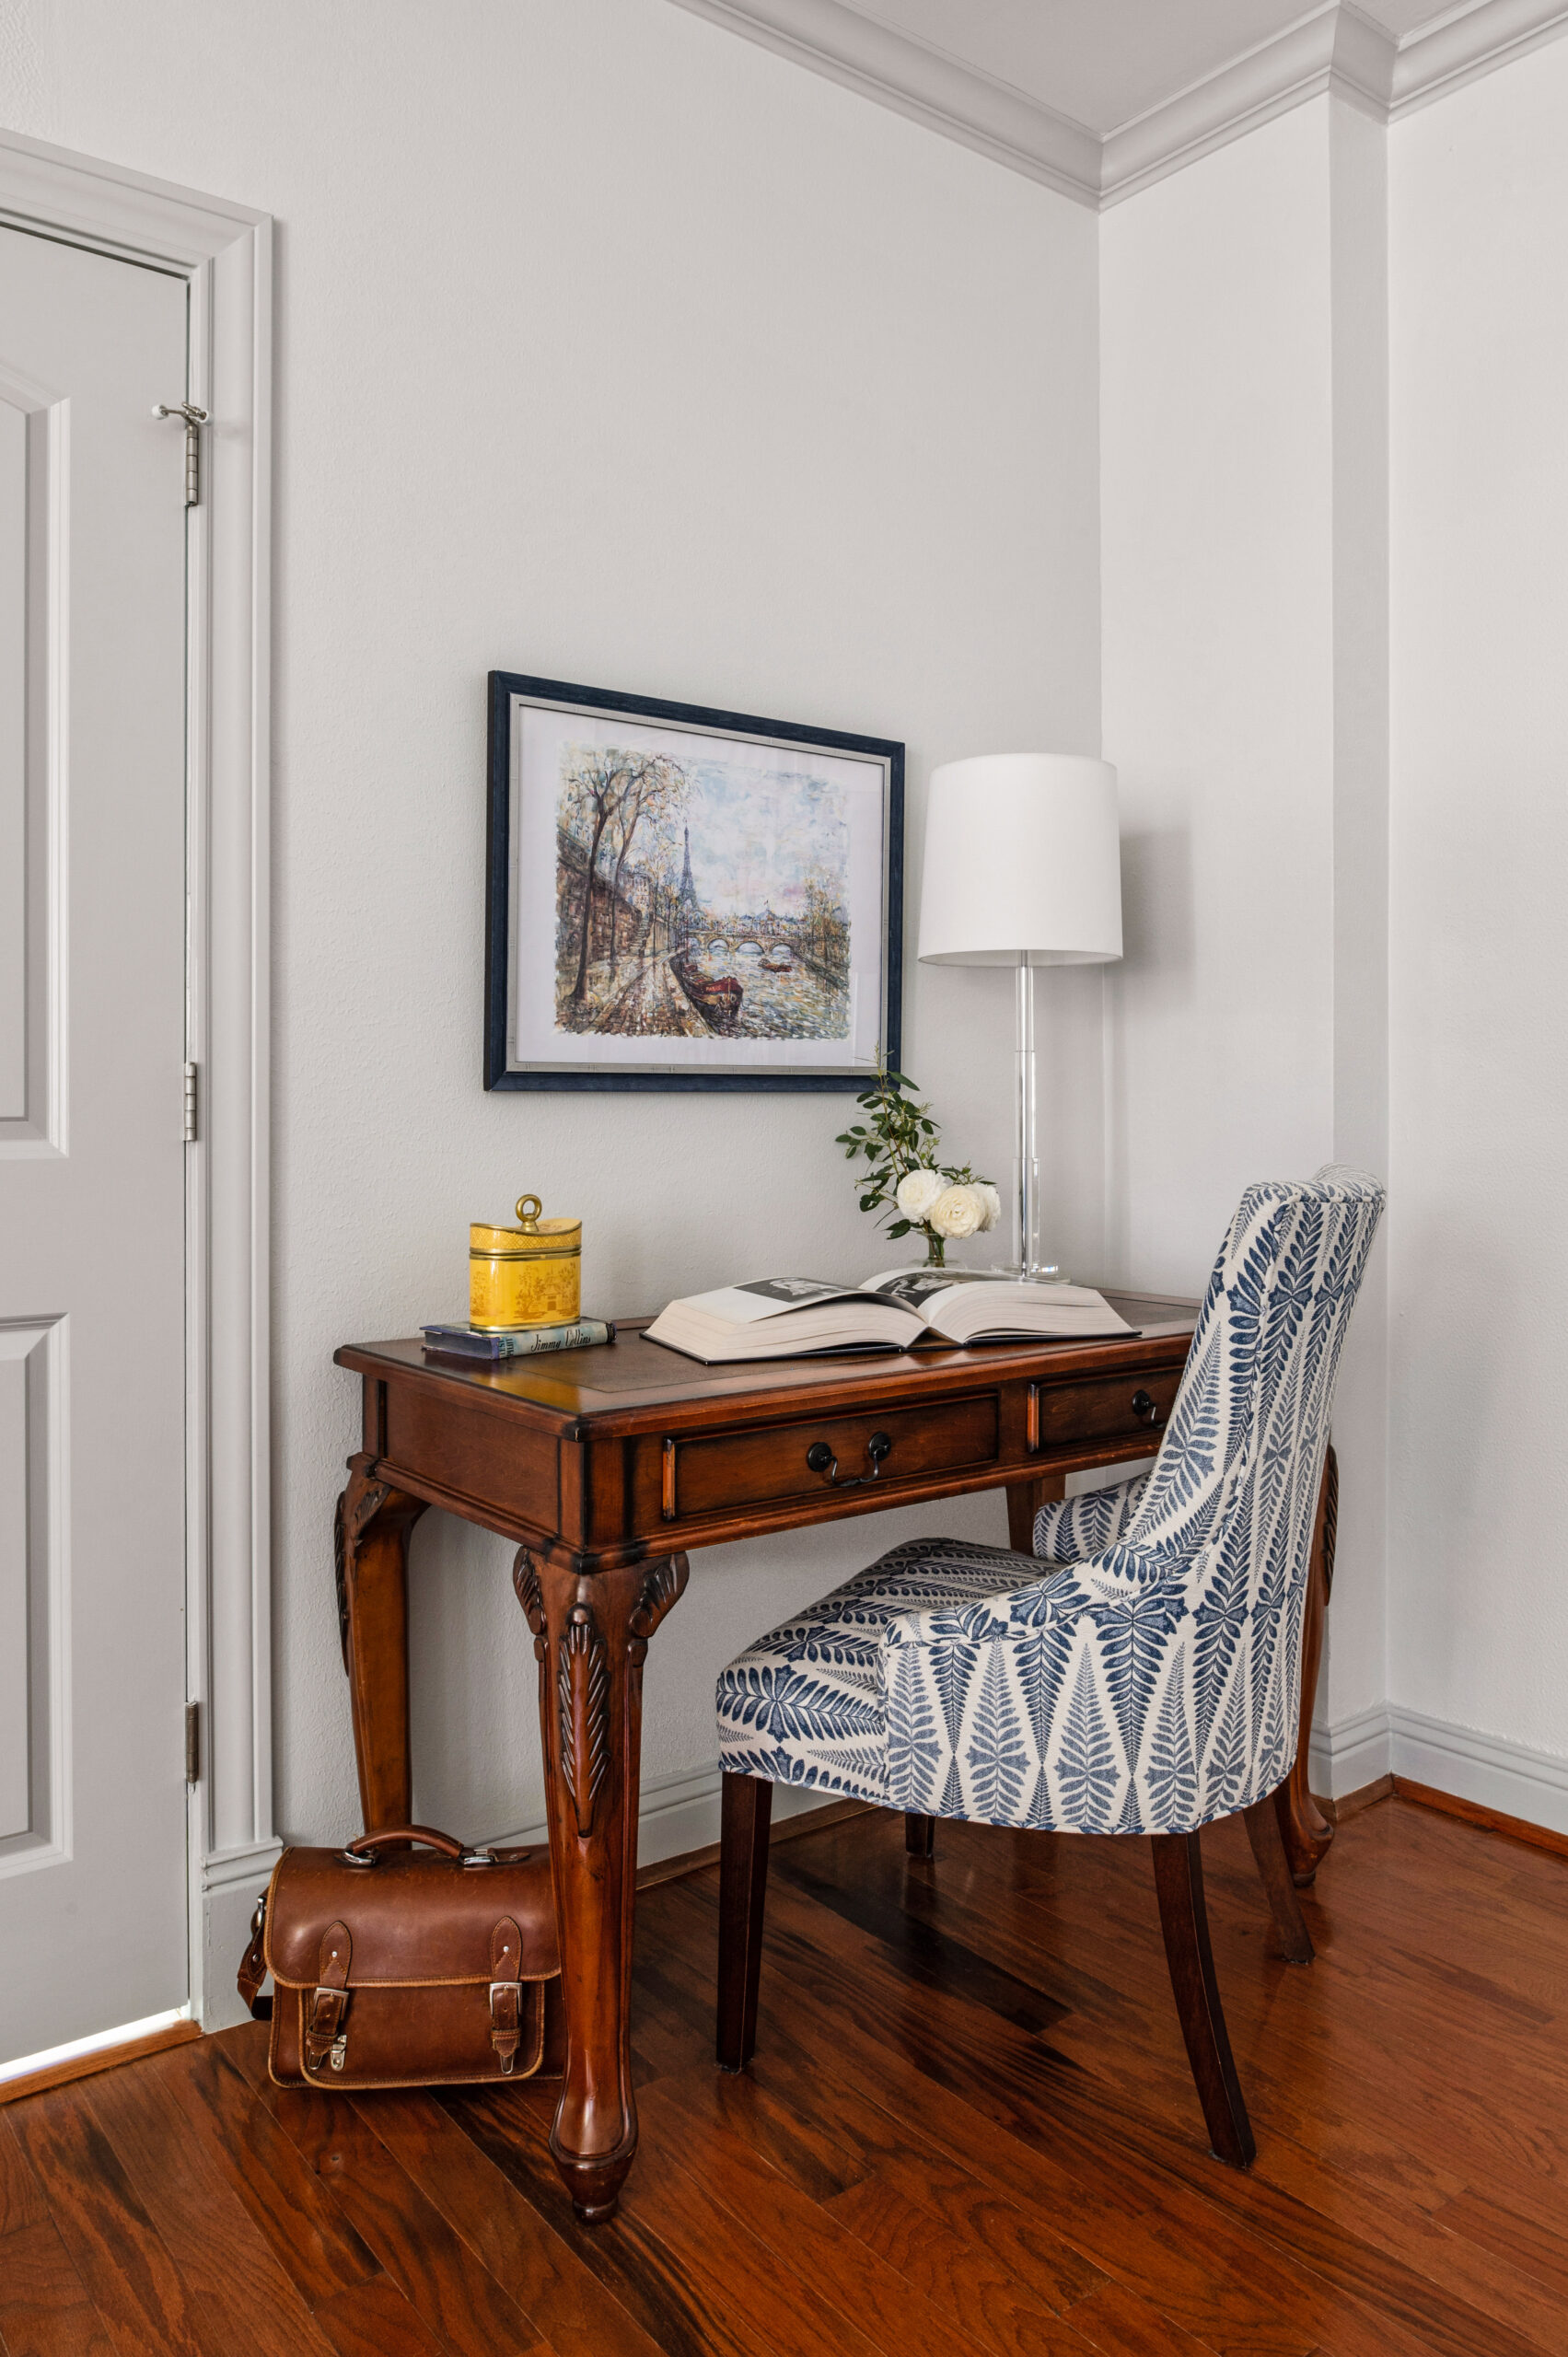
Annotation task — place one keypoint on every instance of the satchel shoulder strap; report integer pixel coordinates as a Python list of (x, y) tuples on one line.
[(253, 1965)]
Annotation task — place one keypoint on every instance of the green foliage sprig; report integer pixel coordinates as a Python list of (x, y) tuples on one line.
[(901, 1136)]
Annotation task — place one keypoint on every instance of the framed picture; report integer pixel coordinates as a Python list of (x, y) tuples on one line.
[(679, 897)]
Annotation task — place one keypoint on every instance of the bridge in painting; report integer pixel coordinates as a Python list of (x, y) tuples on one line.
[(757, 932)]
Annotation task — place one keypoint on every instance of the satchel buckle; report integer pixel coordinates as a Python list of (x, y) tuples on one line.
[(326, 2032), (505, 2034)]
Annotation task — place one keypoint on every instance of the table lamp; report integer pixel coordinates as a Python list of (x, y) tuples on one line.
[(1022, 869)]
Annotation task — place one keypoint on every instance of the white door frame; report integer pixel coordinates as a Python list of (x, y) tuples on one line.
[(224, 251)]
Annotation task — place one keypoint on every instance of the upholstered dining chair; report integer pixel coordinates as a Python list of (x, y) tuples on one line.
[(1139, 1674)]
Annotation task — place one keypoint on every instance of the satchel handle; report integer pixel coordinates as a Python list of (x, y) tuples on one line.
[(363, 1852)]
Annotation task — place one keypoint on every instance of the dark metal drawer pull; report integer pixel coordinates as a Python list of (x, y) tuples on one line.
[(820, 1459), (1145, 1409)]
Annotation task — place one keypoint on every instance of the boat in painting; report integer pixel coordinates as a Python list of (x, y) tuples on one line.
[(716, 997)]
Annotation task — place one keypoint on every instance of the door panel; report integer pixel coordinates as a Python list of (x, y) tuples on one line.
[(92, 1028)]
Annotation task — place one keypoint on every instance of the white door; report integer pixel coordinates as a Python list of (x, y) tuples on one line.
[(92, 1028)]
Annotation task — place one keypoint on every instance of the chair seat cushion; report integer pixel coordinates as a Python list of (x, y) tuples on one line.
[(806, 1704)]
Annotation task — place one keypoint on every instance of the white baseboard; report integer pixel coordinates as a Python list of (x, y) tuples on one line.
[(1489, 1769), (681, 1813), (1353, 1754)]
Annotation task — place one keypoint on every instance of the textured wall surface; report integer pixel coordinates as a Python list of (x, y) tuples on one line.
[(1479, 216), (1244, 570), (614, 349)]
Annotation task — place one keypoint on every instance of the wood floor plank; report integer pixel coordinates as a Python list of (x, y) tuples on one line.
[(238, 2296), (374, 2319), (1487, 2280), (950, 2199), (838, 2267), (113, 2242), (314, 2243), (780, 2309), (1119, 2324), (438, 2274), (44, 2308), (959, 2278), (528, 2258), (22, 2196), (1534, 2249), (681, 2307)]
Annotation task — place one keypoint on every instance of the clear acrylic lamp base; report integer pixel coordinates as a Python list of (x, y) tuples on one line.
[(1028, 1260)]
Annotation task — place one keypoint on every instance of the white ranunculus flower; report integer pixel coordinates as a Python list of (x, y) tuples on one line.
[(992, 1202), (957, 1212), (917, 1191)]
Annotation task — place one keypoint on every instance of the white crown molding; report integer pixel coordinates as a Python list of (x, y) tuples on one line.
[(1469, 41), (1336, 48), (1332, 48)]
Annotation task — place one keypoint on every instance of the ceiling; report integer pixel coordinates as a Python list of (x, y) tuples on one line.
[(1099, 98), (1103, 63)]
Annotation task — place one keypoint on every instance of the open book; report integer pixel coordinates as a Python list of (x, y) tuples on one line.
[(786, 1318)]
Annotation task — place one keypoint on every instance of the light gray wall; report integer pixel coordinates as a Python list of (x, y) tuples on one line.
[(1244, 582), (615, 349), (1479, 211)]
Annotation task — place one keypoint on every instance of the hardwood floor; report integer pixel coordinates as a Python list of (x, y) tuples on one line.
[(970, 2132)]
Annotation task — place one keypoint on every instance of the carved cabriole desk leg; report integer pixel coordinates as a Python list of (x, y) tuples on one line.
[(373, 1524), (1305, 1831), (591, 1635)]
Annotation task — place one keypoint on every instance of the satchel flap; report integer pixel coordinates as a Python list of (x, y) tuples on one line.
[(410, 1917)]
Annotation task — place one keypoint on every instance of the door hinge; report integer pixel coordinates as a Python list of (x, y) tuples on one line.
[(192, 1743), (194, 419), (190, 1104)]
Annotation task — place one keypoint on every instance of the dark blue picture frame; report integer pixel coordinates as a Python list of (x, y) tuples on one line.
[(502, 686)]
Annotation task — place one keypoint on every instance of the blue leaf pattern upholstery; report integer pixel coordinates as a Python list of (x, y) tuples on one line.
[(1139, 1673)]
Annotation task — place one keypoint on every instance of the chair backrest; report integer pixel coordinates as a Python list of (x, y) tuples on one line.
[(1230, 1505)]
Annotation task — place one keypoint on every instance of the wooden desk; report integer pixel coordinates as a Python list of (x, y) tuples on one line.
[(607, 1465)]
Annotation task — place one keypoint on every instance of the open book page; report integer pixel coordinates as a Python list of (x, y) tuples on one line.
[(762, 1298), (790, 1317), (783, 1317), (964, 1307)]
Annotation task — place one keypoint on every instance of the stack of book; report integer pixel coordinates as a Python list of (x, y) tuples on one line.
[(479, 1344)]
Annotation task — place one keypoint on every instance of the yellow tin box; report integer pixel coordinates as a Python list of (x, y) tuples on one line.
[(528, 1275)]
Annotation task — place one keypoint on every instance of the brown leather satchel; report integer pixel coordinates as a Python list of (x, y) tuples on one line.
[(396, 1969)]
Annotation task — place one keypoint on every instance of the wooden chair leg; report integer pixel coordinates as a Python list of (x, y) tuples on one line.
[(1269, 1849), (747, 1805), (919, 1834), (1179, 1879)]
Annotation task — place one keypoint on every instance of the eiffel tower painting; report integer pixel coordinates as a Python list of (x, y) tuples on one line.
[(715, 901)]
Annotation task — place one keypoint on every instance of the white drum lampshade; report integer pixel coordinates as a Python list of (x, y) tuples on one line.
[(1022, 868), (1022, 862)]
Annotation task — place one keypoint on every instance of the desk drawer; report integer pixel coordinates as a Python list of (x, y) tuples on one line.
[(1062, 1413), (732, 1471)]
